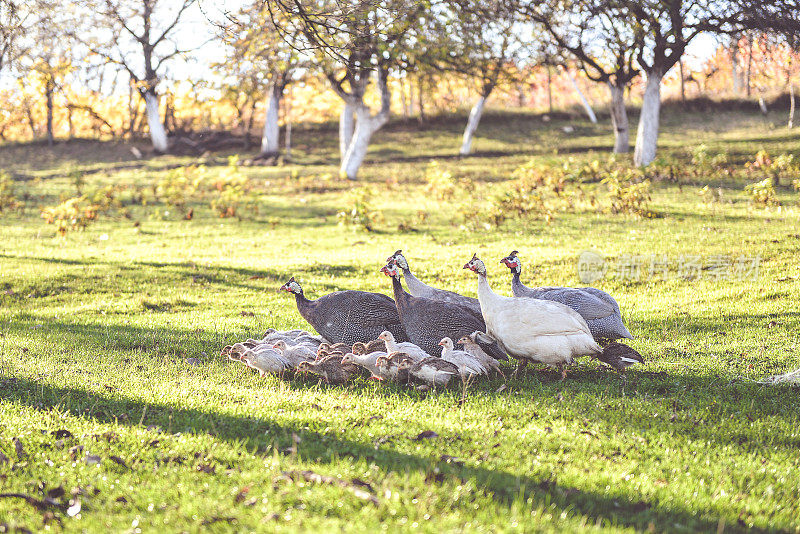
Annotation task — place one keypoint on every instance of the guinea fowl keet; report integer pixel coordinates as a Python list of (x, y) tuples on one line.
[(419, 289), (295, 353), (366, 361), (532, 329), (413, 351), (434, 372), (473, 349), (468, 365), (330, 370), (389, 367), (348, 316), (599, 309), (427, 321)]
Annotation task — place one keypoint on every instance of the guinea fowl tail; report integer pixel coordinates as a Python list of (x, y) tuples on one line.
[(491, 347), (615, 352)]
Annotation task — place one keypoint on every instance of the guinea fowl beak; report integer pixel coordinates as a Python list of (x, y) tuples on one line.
[(467, 266)]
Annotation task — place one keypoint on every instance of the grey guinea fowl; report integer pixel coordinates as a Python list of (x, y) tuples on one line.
[(348, 316), (434, 372), (417, 288), (598, 308), (427, 321), (331, 370)]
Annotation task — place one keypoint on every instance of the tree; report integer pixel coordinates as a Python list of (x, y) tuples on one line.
[(352, 41), (138, 37), (481, 44), (266, 58), (604, 44), (15, 19)]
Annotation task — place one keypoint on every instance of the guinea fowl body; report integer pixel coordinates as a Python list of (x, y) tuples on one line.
[(427, 321), (417, 288), (599, 309), (331, 370), (532, 329), (472, 348), (348, 316), (366, 361), (619, 356), (434, 372), (467, 364)]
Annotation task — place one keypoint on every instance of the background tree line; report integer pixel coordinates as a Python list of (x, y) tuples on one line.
[(130, 67)]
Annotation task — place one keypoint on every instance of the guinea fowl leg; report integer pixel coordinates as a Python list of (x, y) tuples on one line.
[(563, 370)]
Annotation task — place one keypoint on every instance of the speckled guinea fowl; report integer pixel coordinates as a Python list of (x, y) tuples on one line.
[(598, 308), (417, 288), (427, 321), (348, 316)]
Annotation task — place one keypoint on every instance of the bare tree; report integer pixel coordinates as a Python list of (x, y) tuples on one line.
[(15, 18), (604, 44), (353, 42), (138, 36)]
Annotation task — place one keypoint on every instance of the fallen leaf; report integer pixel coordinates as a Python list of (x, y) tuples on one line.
[(426, 434), (92, 459), (121, 499), (3, 458), (451, 459), (61, 433), (501, 389), (241, 495), (56, 493), (206, 468), (256, 277)]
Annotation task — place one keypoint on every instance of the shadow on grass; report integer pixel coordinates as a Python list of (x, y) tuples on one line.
[(505, 487)]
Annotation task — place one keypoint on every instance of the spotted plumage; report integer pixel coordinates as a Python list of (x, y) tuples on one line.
[(348, 316)]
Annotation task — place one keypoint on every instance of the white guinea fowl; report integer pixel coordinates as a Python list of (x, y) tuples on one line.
[(414, 351), (467, 364), (295, 353), (266, 361), (367, 361), (532, 329)]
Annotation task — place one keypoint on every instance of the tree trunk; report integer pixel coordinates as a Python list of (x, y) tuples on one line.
[(586, 106), (366, 125), (749, 64), (619, 119), (270, 138), (762, 104), (157, 133), (49, 98), (346, 128), (420, 99), (647, 134), (683, 82), (472, 125), (791, 106), (549, 89), (736, 71), (403, 98)]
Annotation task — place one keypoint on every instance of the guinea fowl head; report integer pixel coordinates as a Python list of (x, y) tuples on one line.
[(386, 336), (476, 265), (512, 262), (280, 345), (398, 259), (292, 287), (359, 348), (304, 367), (390, 269), (405, 363), (447, 343), (349, 358)]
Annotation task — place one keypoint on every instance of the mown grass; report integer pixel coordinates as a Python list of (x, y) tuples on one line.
[(116, 341)]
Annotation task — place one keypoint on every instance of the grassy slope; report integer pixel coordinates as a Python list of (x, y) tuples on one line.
[(94, 337)]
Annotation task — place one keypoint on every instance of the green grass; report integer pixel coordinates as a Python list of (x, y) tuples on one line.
[(95, 335)]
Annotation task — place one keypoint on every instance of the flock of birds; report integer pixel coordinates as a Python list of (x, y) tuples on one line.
[(412, 338)]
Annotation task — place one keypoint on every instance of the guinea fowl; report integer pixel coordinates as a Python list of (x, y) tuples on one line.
[(467, 364), (598, 308), (532, 329), (295, 353), (376, 345), (348, 316), (619, 357), (367, 361), (434, 372), (413, 351), (266, 361), (331, 370), (472, 348), (427, 321), (389, 367), (419, 289)]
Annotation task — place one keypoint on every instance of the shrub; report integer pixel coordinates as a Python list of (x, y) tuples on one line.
[(232, 188), (178, 187), (628, 193), (439, 183), (73, 214), (762, 193), (359, 212)]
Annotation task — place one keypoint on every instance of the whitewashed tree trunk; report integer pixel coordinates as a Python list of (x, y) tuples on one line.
[(647, 134), (619, 119), (736, 69), (762, 104), (270, 138), (472, 125), (366, 125), (791, 106), (346, 127), (586, 106), (158, 135)]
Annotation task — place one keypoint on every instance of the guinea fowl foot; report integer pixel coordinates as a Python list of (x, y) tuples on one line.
[(563, 373), (520, 366)]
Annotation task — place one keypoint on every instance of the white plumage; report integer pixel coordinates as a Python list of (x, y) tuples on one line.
[(413, 351), (467, 364), (531, 329)]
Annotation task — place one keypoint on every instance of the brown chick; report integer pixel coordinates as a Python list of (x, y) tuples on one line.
[(330, 369)]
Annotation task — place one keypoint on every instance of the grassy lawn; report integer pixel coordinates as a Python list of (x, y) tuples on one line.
[(112, 384)]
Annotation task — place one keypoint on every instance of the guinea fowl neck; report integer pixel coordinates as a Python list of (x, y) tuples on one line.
[(303, 304), (400, 295)]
